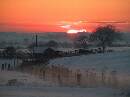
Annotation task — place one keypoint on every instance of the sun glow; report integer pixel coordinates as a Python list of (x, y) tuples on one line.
[(72, 31), (62, 15), (76, 31)]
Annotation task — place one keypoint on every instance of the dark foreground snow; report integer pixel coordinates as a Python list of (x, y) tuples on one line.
[(14, 91), (33, 87)]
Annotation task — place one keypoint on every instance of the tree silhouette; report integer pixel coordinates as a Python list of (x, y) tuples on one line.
[(10, 51), (82, 42), (105, 35), (52, 43)]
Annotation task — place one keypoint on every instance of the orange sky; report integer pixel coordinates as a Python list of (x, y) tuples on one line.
[(61, 15)]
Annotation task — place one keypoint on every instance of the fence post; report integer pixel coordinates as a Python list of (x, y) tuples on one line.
[(78, 77)]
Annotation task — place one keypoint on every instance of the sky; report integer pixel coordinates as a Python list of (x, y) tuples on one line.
[(63, 15)]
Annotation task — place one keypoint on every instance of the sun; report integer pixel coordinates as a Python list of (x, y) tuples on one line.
[(76, 31), (72, 31)]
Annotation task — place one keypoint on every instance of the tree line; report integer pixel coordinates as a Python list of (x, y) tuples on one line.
[(103, 36)]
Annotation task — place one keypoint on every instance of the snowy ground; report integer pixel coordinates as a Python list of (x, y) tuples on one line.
[(58, 92), (118, 60), (23, 79), (32, 86)]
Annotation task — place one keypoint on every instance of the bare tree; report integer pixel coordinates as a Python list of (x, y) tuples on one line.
[(82, 42), (10, 51), (52, 43), (105, 35)]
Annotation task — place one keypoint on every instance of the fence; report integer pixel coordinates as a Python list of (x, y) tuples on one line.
[(64, 76)]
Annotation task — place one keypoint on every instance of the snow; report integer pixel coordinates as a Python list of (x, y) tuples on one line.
[(58, 92), (22, 78), (33, 86), (118, 60)]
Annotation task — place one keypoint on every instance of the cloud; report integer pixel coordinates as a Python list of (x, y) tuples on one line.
[(66, 26), (112, 22), (69, 24)]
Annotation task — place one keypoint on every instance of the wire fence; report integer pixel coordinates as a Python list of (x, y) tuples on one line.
[(64, 76)]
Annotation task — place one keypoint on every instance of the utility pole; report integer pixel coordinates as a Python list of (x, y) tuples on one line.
[(35, 44), (36, 40)]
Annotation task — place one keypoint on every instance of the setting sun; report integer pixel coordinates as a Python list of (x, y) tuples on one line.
[(72, 31), (76, 31)]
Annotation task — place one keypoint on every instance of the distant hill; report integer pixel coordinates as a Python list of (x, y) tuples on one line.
[(126, 37), (18, 39), (13, 36)]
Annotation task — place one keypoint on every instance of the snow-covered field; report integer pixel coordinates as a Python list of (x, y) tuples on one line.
[(32, 86), (118, 60), (23, 79), (58, 92)]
